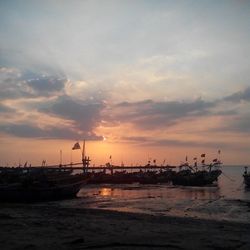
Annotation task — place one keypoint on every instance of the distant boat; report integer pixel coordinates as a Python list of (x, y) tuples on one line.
[(190, 177), (148, 176), (246, 177), (40, 186)]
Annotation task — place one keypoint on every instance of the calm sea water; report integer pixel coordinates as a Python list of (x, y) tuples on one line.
[(228, 200)]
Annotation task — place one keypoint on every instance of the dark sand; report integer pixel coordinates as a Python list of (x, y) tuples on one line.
[(50, 227)]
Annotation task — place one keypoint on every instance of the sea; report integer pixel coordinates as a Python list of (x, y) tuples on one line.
[(229, 199)]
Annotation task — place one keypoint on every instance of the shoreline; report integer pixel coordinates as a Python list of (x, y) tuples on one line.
[(39, 226)]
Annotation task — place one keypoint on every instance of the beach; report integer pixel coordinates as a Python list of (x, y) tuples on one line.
[(42, 226), (134, 216)]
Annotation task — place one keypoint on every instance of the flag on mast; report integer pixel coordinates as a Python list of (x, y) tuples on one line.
[(203, 155), (76, 146)]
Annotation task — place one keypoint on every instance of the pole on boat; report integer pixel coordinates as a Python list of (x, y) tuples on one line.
[(195, 164), (203, 160), (245, 172), (71, 163), (84, 162), (60, 158), (83, 150), (219, 155)]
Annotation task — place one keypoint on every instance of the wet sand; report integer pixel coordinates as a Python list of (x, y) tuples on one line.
[(50, 227)]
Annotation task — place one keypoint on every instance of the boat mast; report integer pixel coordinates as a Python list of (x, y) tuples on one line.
[(60, 158), (85, 159), (219, 155), (83, 150)]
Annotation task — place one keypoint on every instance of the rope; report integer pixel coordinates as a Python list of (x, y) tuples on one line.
[(240, 187), (231, 179)]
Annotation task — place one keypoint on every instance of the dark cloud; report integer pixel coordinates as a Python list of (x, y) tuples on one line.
[(85, 114), (149, 114), (46, 86), (13, 91), (166, 142), (32, 131), (22, 130), (14, 85), (239, 96), (146, 141), (226, 113), (239, 124)]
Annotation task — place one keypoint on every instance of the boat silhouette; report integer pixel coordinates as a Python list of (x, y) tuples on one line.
[(246, 177), (41, 184)]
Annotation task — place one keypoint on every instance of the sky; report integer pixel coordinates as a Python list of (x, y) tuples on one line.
[(138, 80)]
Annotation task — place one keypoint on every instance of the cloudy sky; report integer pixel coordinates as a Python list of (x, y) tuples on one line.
[(136, 79)]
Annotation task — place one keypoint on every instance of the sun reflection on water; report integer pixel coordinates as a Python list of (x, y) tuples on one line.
[(106, 192)]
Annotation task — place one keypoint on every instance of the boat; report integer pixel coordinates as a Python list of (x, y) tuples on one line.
[(42, 183), (39, 185), (246, 177), (190, 176), (146, 175)]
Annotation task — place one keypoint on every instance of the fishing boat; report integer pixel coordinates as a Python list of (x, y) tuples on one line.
[(146, 175), (42, 183), (39, 185), (246, 177), (190, 176)]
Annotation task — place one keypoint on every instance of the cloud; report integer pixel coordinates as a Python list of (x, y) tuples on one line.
[(150, 114), (239, 96), (72, 120), (5, 109), (46, 85), (85, 114), (15, 84), (183, 143), (20, 93), (33, 131), (12, 87), (230, 112), (26, 95), (239, 124), (147, 141)]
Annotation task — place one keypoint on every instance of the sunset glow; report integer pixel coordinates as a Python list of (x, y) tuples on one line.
[(137, 80)]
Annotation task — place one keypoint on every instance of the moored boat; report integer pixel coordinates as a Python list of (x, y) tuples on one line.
[(40, 186), (190, 176), (246, 177)]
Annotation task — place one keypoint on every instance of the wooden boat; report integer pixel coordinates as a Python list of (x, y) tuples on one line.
[(199, 178), (246, 177), (41, 187), (247, 180), (40, 183), (123, 177), (191, 177)]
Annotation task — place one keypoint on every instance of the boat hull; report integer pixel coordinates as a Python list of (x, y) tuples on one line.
[(200, 178), (20, 192), (247, 179)]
